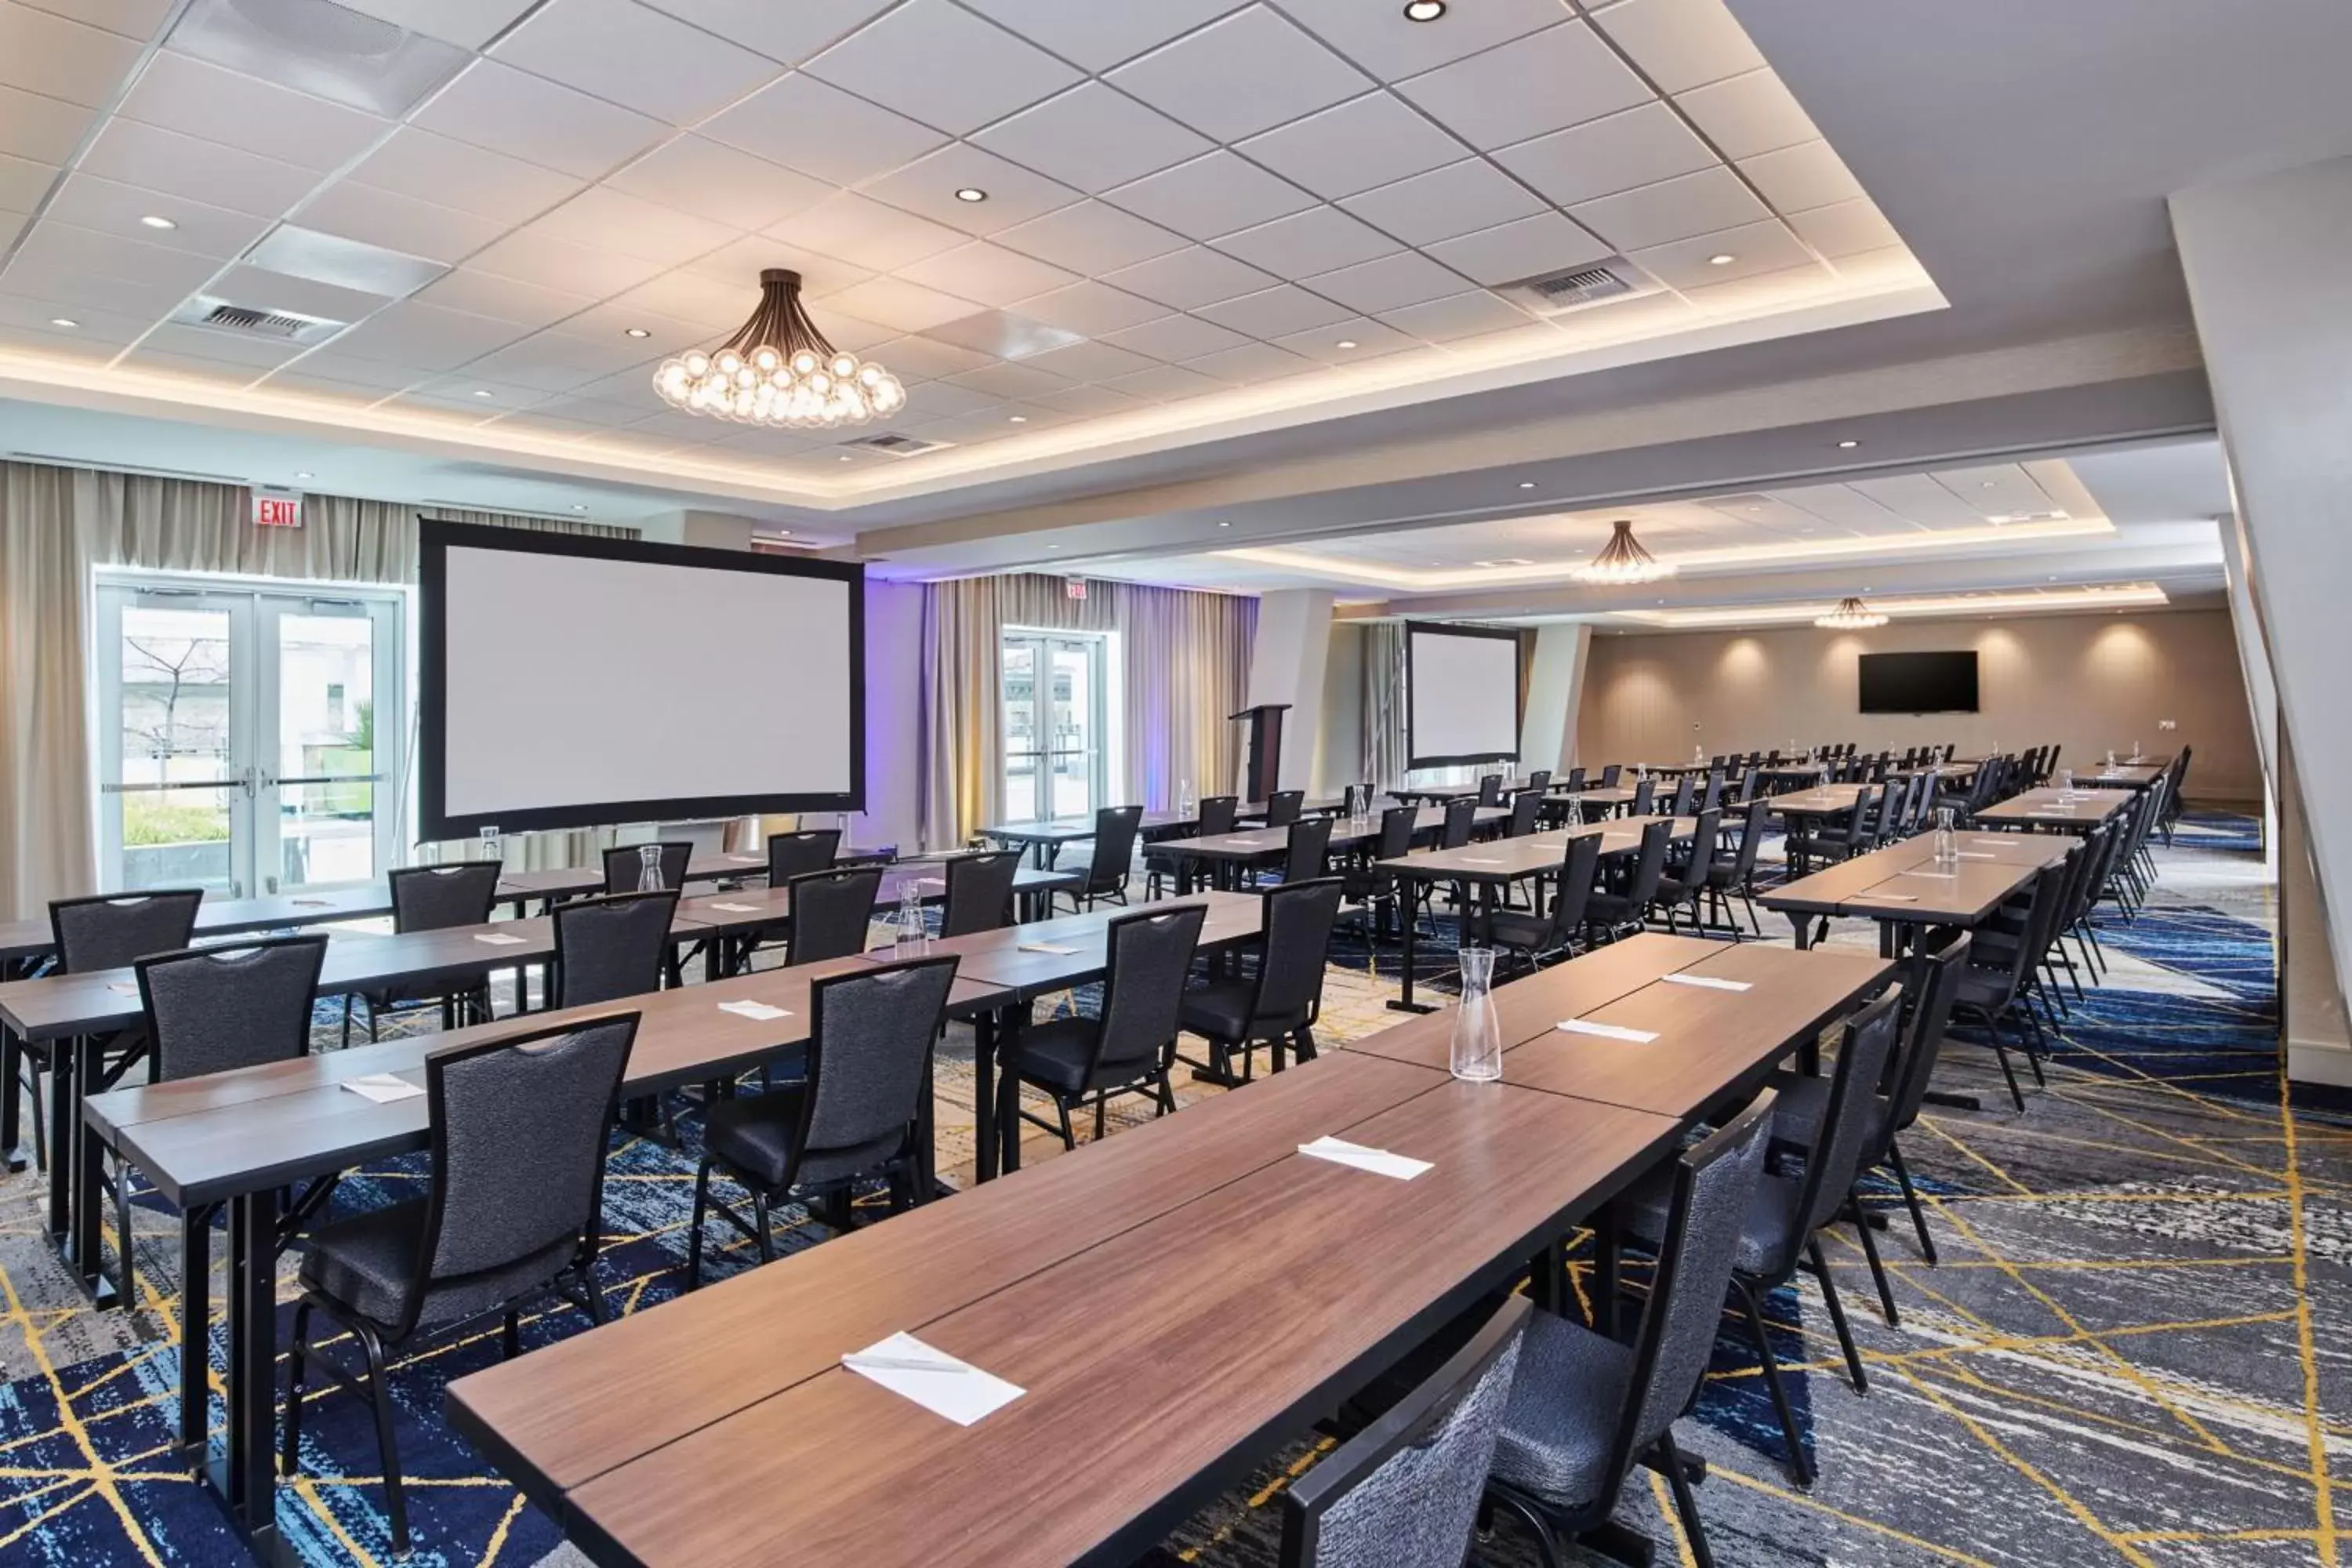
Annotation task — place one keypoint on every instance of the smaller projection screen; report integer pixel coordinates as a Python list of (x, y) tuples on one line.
[(1462, 702), (1919, 682), (571, 682)]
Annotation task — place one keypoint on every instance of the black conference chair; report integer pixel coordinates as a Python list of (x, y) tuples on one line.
[(514, 1213), (1611, 773), (1587, 1408), (624, 866), (609, 948), (1553, 934), (1285, 806), (1375, 888), (1681, 888), (1991, 991), (1405, 1491), (980, 892), (1679, 803), (1616, 913), (1279, 1004), (832, 912), (857, 1114), (1218, 814), (438, 898), (1525, 807), (1490, 790), (1112, 859), (797, 854), (1308, 854), (1778, 1233), (1129, 1048), (1736, 874), (1539, 780), (105, 930), (1645, 795)]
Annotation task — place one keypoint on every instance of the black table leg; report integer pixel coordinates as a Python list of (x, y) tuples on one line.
[(61, 1119), (12, 1066), (983, 1098), (1403, 1001), (85, 1159), (1008, 1107), (245, 1478), (195, 1333), (1804, 929)]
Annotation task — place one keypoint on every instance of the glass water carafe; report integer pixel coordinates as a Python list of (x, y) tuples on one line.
[(649, 876), (1947, 843), (912, 928), (1477, 1037)]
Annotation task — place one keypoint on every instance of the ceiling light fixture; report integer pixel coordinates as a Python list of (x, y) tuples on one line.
[(1851, 615), (1527, 484), (1424, 10), (306, 474), (63, 321), (1224, 525), (1848, 445), (971, 193), (1346, 344), (153, 221), (482, 392), (639, 333), (1018, 419), (779, 370), (1721, 258), (1622, 560), (577, 507)]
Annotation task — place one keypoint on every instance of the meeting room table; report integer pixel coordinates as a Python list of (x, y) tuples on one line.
[(2056, 810), (1818, 804), (1107, 1285), (2121, 775), (1226, 859)]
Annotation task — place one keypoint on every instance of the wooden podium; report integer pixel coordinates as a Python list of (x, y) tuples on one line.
[(1263, 775)]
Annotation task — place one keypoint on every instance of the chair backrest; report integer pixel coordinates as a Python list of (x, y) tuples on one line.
[(1219, 813), (831, 912), (1580, 868), (1150, 953), (797, 854), (1712, 795), (437, 898), (1681, 803), (1836, 1154), (210, 1009), (1490, 790), (870, 1037), (1575, 780), (1283, 807), (1524, 806), (1404, 1491), (1931, 1015), (1609, 775), (1649, 863), (1539, 780), (1714, 1182), (611, 947), (114, 930), (519, 1131), (1309, 850), (1460, 816), (1707, 847), (1751, 839), (980, 892), (1397, 823), (1644, 793), (1115, 830), (625, 865), (1748, 782), (1297, 920)]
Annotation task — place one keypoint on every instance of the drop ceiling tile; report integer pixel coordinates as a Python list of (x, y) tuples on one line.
[(916, 359), (852, 334), (41, 51), (421, 337), (158, 159), (1765, 292), (221, 347), (695, 298), (1371, 340), (543, 426), (1251, 363), (1185, 280), (348, 372), (429, 168), (946, 400), (909, 307), (1681, 44), (879, 238), (1167, 384), (613, 321), (528, 305), (1009, 381), (1528, 248), (944, 66), (1091, 402), (529, 256), (929, 183), (1248, 73), (1175, 338), (1092, 310), (1213, 196), (269, 282), (61, 346), (695, 175), (96, 326), (1384, 41), (1755, 248), (1639, 147), (1375, 139), (469, 24), (1090, 361), (987, 273), (1671, 210), (1557, 77), (559, 362), (1747, 114), (215, 374), (1099, 36), (62, 279), (494, 105), (374, 216), (45, 130), (1470, 315), (1461, 199), (1275, 312), (635, 56), (1846, 228), (811, 126), (189, 95), (1091, 239), (789, 33), (12, 224), (1317, 240), (1797, 179), (62, 245), (131, 18), (1093, 138), (117, 209), (738, 267), (1408, 278), (603, 413)]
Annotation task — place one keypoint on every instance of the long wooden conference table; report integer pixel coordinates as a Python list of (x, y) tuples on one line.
[(2077, 810), (1900, 887), (1175, 1301)]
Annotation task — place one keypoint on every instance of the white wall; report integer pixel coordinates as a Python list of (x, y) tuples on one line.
[(894, 694), (1287, 660), (1554, 690)]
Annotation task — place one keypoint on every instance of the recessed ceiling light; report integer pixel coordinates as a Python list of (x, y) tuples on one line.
[(152, 221), (1527, 484), (845, 457), (639, 333), (1052, 547), (63, 321), (1019, 420), (1229, 525), (1424, 10), (577, 507), (971, 193), (1345, 343), (1721, 258), (1848, 445), (306, 474), (484, 391)]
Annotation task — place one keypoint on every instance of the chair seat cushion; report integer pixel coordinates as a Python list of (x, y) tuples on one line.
[(368, 1264), (1566, 1400), (1801, 1101), (1769, 1244), (756, 1135), (1515, 928), (1056, 1053), (1221, 1011)]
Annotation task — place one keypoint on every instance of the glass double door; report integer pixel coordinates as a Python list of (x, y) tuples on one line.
[(240, 749), (1054, 724)]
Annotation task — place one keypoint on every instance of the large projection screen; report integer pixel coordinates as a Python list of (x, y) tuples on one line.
[(1462, 703), (569, 682)]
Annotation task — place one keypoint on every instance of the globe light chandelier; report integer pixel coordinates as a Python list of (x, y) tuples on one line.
[(1851, 615), (778, 370), (1622, 561)]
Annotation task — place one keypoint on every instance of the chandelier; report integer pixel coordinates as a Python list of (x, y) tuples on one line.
[(1622, 560), (778, 370), (1851, 615)]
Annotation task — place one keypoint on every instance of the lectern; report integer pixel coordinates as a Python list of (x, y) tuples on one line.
[(1265, 771)]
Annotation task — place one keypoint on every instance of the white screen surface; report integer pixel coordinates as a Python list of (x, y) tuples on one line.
[(573, 682), (1465, 699)]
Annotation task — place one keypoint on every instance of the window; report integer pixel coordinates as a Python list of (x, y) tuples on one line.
[(1056, 728)]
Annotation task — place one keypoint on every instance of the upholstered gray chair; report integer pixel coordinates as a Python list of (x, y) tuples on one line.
[(1613, 913), (1279, 1004), (609, 948), (624, 866), (1555, 932), (436, 897), (797, 854), (114, 930), (1111, 860), (980, 892), (832, 911)]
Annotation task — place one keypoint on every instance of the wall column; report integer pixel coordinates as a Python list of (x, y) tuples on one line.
[(1287, 659), (1555, 685)]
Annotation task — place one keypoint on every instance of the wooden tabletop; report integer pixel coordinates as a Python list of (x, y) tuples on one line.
[(1901, 883), (25, 939), (1012, 959), (2123, 775), (1260, 843), (763, 908), (1595, 794), (1823, 800), (1509, 859), (571, 881), (2048, 808)]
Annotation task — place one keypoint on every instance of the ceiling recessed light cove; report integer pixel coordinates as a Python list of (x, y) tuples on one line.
[(971, 193), (1721, 258), (1424, 10), (304, 474)]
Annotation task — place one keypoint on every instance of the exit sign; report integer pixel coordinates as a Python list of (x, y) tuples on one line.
[(277, 508), (1076, 587)]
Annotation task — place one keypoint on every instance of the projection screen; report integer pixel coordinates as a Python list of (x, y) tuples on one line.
[(1462, 686), (569, 682)]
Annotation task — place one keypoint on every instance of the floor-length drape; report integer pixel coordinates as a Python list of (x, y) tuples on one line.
[(1384, 693)]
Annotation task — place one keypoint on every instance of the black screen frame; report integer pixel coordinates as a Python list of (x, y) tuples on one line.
[(437, 538), (1413, 759), (1917, 661)]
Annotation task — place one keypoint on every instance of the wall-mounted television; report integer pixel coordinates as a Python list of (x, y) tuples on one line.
[(1919, 682)]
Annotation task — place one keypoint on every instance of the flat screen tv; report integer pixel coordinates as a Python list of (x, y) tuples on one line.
[(1919, 682)]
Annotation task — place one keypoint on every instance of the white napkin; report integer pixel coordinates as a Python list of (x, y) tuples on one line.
[(1710, 981), (1889, 899), (1933, 876), (383, 1087), (497, 939), (1606, 1031), (1977, 855), (1479, 861), (1055, 948), (738, 909), (760, 1010), (1380, 1161), (932, 1378)]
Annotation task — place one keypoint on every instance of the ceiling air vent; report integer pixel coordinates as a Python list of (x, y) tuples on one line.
[(895, 445), (1555, 293), (286, 326)]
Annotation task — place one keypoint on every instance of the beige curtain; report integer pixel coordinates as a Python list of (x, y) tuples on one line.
[(1185, 660), (1384, 697)]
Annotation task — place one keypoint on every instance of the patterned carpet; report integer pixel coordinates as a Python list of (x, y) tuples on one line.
[(2133, 1349)]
